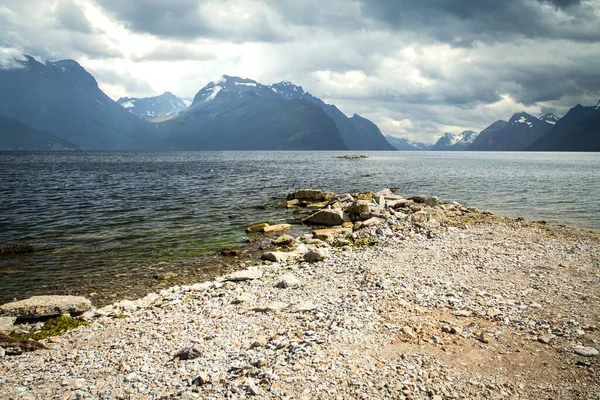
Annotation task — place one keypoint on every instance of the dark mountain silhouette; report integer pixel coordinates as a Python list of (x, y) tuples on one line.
[(60, 97), (521, 131), (15, 135)]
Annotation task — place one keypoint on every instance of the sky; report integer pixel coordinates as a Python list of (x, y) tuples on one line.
[(415, 68)]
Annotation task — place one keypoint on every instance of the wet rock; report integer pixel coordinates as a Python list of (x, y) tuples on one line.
[(585, 351), (257, 228), (328, 217), (288, 281), (7, 323), (244, 275), (276, 228), (311, 195), (283, 240), (315, 255), (46, 306)]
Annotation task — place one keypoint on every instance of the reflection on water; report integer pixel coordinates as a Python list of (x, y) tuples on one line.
[(94, 216)]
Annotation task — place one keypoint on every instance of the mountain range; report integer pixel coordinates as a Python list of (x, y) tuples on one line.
[(407, 145), (156, 108), (58, 105)]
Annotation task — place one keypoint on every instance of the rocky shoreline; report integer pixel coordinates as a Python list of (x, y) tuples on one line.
[(387, 298)]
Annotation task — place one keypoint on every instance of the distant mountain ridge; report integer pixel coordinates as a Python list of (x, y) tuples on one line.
[(62, 98), (15, 135), (241, 114), (404, 144), (154, 108), (578, 130), (517, 134), (231, 104)]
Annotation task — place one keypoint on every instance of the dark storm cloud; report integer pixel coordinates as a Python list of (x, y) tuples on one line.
[(52, 30), (190, 19), (463, 22)]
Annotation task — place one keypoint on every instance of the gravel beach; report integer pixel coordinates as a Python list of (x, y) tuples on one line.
[(483, 307)]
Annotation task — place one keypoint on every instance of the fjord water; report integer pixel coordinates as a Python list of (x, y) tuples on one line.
[(103, 219)]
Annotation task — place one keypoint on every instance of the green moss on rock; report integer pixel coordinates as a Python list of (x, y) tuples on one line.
[(53, 327)]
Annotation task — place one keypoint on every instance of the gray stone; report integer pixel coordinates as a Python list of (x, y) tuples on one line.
[(7, 323), (315, 255), (585, 351), (312, 195), (276, 256), (288, 281), (328, 217), (244, 275), (432, 201), (372, 222), (188, 353), (2, 352), (46, 306)]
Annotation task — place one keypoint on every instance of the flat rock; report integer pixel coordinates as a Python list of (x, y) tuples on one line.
[(585, 351), (328, 217), (283, 240), (244, 275), (276, 228), (6, 324), (257, 228), (46, 306), (274, 306), (331, 233)]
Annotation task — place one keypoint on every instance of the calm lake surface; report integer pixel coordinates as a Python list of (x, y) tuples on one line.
[(103, 219)]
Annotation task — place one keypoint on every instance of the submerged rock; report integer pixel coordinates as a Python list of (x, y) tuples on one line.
[(46, 306)]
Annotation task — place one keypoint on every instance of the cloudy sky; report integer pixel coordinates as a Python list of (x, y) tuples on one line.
[(416, 68)]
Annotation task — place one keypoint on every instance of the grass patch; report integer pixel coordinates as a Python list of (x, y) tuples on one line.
[(53, 327)]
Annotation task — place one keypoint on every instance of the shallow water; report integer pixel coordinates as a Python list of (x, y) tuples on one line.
[(114, 216)]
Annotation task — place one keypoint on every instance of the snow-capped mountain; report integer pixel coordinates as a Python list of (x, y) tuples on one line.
[(517, 134), (549, 118), (357, 132), (154, 108), (404, 144), (455, 142)]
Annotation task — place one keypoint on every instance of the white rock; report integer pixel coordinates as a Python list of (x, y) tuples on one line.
[(288, 281), (585, 351), (6, 324)]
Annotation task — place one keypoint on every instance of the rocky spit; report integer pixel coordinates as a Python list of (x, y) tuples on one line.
[(429, 300)]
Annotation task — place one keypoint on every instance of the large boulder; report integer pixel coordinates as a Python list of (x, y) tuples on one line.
[(46, 306), (328, 217), (311, 195), (360, 207)]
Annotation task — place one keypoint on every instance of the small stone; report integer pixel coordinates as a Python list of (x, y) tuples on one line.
[(260, 342), (244, 275), (409, 332), (483, 338), (2, 352), (7, 323), (315, 255), (251, 388), (585, 351), (131, 377), (462, 313), (288, 281), (242, 298), (202, 379), (451, 329), (276, 256), (543, 339), (283, 240), (535, 305), (188, 353)]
